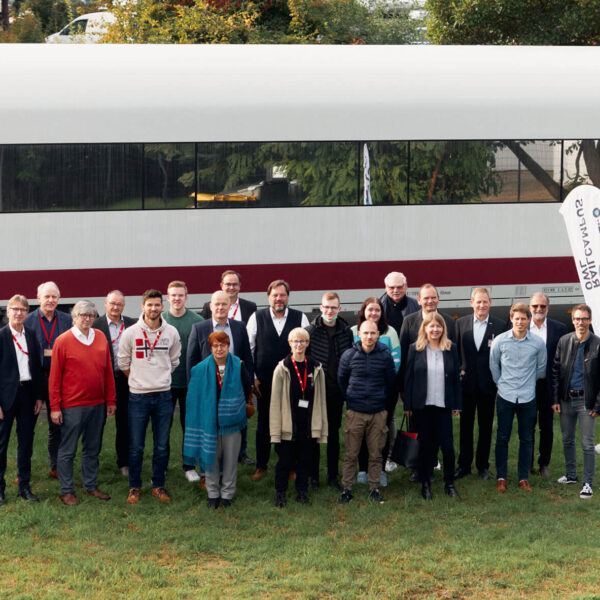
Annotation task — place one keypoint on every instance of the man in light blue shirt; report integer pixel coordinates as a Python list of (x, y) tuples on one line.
[(517, 360)]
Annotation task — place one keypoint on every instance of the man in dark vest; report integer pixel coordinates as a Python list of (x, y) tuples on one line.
[(268, 331)]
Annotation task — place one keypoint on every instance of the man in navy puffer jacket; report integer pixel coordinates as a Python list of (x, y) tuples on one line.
[(366, 377)]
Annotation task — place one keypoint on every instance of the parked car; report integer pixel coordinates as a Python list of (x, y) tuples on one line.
[(86, 29)]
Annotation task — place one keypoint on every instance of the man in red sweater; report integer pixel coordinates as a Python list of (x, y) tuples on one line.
[(82, 393)]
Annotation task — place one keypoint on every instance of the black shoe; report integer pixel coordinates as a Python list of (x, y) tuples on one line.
[(245, 459), (484, 474), (426, 491), (451, 490), (345, 497), (414, 476), (375, 496), (28, 495), (225, 502), (302, 498), (280, 499), (460, 473), (2, 499), (315, 484), (334, 483), (213, 502)]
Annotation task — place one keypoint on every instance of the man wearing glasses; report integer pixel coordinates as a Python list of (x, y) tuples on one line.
[(239, 309), (576, 395), (330, 337), (396, 304), (549, 331), (82, 393)]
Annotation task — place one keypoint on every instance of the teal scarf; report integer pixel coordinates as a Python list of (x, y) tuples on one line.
[(200, 439)]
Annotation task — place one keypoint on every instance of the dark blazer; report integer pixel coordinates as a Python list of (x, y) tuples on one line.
[(475, 364), (415, 383), (102, 324), (247, 308), (562, 370), (32, 322), (9, 367), (555, 330), (198, 348)]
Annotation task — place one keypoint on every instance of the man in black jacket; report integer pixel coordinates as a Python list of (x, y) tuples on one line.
[(396, 304), (475, 334), (330, 337), (576, 395)]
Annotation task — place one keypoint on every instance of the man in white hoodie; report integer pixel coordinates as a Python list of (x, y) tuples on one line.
[(148, 353)]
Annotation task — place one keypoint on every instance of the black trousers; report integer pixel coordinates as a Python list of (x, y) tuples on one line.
[(121, 425), (21, 410), (434, 426), (180, 394), (545, 419), (263, 435), (484, 406), (294, 456), (335, 405), (53, 429)]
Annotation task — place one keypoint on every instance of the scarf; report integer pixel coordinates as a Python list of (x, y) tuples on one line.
[(200, 438)]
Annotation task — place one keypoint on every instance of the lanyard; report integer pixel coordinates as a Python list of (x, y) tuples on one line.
[(302, 385), (153, 345), (237, 305), (18, 345), (121, 331), (219, 377), (48, 339)]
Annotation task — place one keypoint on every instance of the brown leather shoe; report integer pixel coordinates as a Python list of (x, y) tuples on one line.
[(292, 476), (68, 499), (134, 496), (524, 484), (97, 494), (161, 494), (501, 485), (53, 473), (258, 474), (203, 482)]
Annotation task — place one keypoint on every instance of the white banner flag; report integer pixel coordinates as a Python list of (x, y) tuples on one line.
[(581, 212), (367, 200)]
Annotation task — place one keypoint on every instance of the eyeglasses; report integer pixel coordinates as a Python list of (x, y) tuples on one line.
[(86, 316), (298, 342), (580, 319), (395, 287), (329, 308), (219, 346), (17, 309), (539, 306)]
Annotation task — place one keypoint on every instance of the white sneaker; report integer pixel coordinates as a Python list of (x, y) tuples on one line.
[(362, 477), (383, 479), (565, 479), (192, 476), (390, 466), (586, 491), (438, 467), (597, 448), (124, 471)]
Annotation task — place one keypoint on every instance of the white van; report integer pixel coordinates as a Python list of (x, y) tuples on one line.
[(86, 29)]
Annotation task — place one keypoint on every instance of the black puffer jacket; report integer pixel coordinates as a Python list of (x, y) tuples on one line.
[(319, 340)]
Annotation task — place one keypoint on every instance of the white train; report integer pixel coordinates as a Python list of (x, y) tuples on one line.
[(104, 94)]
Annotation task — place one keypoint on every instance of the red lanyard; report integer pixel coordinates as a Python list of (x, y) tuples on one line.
[(302, 385), (19, 345), (219, 377), (153, 345), (121, 331), (48, 339), (235, 311)]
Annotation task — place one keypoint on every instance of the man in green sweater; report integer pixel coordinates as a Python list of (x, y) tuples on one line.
[(183, 320)]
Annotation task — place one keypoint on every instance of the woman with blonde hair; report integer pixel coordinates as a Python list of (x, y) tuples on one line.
[(431, 396)]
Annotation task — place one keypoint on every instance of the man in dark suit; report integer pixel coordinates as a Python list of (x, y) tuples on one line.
[(550, 331), (21, 383), (112, 325), (239, 309), (475, 334)]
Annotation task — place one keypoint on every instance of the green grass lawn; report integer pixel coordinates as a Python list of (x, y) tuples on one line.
[(515, 545)]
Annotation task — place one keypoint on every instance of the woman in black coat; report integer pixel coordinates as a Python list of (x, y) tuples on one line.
[(431, 396)]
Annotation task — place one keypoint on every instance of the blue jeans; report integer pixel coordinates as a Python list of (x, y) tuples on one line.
[(570, 413), (159, 409), (526, 414)]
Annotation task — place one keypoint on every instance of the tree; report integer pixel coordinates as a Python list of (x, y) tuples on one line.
[(527, 22)]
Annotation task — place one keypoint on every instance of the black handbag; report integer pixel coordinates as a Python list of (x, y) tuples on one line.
[(406, 448)]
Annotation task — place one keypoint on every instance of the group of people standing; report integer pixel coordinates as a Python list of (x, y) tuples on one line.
[(219, 364)]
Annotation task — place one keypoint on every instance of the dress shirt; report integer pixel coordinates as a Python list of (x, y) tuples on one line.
[(479, 328), (436, 386), (541, 332), (516, 365), (227, 329), (278, 323), (87, 341), (115, 336), (22, 356), (235, 312)]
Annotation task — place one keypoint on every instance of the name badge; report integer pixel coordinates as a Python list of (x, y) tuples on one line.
[(48, 352), (302, 403)]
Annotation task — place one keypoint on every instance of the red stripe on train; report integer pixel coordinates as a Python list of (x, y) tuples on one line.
[(133, 281)]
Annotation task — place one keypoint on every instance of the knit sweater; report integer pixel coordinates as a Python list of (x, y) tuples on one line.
[(81, 375)]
